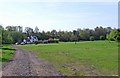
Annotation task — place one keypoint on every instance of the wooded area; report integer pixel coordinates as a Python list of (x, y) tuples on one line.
[(13, 34)]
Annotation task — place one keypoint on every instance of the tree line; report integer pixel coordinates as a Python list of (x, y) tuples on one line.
[(13, 34)]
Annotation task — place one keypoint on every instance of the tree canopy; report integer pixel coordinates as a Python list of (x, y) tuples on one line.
[(13, 34)]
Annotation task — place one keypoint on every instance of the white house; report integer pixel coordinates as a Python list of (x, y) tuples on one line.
[(30, 39)]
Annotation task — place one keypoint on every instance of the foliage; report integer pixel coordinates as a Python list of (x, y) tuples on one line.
[(6, 37), (40, 41), (14, 28), (36, 29), (114, 35), (13, 34), (118, 38), (17, 36), (92, 38), (36, 42), (1, 28), (102, 37), (53, 41)]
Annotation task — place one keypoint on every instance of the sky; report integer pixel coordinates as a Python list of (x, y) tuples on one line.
[(59, 15)]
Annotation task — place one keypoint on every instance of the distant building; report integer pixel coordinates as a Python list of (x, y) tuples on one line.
[(29, 40), (25, 41), (33, 39)]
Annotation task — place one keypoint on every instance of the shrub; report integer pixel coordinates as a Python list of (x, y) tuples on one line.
[(40, 41), (92, 38), (45, 41), (53, 41), (36, 42), (9, 40), (102, 37), (118, 38), (113, 36), (112, 39)]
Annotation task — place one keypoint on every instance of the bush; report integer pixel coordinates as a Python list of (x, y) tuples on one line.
[(53, 41), (118, 38), (8, 40), (92, 38), (113, 36), (45, 41), (36, 42), (112, 39), (40, 41), (102, 38)]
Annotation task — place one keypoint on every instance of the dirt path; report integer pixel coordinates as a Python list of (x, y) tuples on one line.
[(26, 63)]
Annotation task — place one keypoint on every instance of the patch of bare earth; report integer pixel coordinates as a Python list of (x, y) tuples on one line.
[(26, 63)]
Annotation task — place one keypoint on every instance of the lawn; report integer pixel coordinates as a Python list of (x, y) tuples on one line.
[(83, 58), (6, 53)]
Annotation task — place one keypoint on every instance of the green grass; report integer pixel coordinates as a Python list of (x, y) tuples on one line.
[(6, 53), (69, 58)]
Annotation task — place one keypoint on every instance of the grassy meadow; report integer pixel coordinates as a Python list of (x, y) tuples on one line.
[(83, 58), (6, 53)]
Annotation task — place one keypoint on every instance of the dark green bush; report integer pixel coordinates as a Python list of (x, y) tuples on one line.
[(112, 39), (53, 41), (36, 42), (118, 38), (102, 38), (40, 41), (92, 38)]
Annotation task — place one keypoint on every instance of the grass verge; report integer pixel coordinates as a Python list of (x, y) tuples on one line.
[(6, 53)]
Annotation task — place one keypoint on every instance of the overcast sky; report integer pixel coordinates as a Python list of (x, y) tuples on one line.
[(59, 15)]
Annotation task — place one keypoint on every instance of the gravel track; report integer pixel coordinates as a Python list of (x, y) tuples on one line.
[(26, 63)]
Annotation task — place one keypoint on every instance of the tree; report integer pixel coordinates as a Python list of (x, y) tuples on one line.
[(17, 36), (1, 29), (102, 37), (9, 28), (100, 31), (14, 28), (9, 40), (19, 28), (118, 38), (108, 29), (92, 38), (73, 38), (36, 30), (43, 35), (6, 38), (29, 31), (54, 33), (114, 35), (85, 34), (76, 35)]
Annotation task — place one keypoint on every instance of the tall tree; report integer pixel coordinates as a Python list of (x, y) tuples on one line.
[(19, 29), (1, 29), (17, 36), (36, 30), (29, 31), (9, 28), (54, 33), (76, 35)]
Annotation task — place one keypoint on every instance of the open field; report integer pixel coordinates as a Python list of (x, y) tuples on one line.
[(6, 53), (83, 58)]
